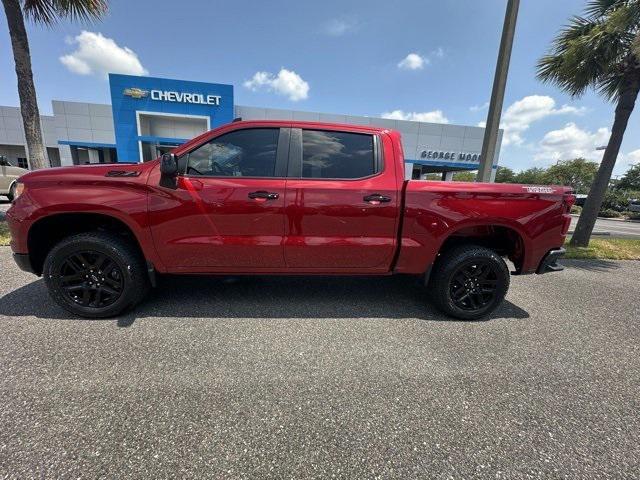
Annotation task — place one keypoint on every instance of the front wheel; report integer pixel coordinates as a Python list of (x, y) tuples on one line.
[(95, 274), (469, 282)]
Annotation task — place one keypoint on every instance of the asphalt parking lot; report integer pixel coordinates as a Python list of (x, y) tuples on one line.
[(612, 228), (320, 377)]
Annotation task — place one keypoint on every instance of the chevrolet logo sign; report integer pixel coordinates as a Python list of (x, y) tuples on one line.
[(135, 92)]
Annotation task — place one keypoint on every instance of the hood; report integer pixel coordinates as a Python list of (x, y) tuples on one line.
[(88, 172)]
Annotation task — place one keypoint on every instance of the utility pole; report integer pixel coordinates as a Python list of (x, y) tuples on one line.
[(497, 95)]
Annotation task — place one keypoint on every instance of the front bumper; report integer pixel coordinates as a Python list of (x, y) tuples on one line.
[(24, 262), (549, 262)]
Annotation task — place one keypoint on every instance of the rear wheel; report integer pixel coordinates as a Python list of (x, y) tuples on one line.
[(469, 282), (95, 274)]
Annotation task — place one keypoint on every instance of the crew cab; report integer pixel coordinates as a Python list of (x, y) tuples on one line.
[(280, 197)]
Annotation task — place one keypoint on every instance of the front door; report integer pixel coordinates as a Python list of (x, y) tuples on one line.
[(227, 210), (342, 204)]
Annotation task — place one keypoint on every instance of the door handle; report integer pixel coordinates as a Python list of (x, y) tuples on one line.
[(376, 198), (264, 195)]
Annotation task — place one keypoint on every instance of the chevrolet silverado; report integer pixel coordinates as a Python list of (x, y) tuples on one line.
[(280, 197)]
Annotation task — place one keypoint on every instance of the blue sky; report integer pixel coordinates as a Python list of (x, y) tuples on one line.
[(409, 59)]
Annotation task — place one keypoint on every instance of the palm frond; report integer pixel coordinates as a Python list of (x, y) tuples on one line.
[(51, 11), (592, 52), (600, 8), (40, 11), (577, 28), (628, 10), (568, 64), (611, 85)]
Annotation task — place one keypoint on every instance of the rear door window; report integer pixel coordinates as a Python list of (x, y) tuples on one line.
[(327, 154)]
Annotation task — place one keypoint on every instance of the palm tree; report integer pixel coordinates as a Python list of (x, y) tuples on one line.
[(45, 12), (599, 50)]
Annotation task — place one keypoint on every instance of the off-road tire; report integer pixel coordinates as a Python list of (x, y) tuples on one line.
[(132, 274), (446, 286)]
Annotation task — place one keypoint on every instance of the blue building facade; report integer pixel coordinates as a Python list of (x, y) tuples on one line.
[(177, 109)]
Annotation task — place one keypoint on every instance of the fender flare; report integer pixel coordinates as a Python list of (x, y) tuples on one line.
[(516, 228), (141, 233)]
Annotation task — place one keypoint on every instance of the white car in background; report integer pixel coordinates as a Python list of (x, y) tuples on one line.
[(580, 199), (9, 175)]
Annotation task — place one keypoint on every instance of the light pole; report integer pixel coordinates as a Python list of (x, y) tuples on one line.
[(497, 95)]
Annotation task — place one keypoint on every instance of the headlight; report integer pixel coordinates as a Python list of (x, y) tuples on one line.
[(19, 189)]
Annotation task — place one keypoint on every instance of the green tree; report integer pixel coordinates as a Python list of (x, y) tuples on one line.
[(630, 180), (616, 200), (464, 176), (578, 174), (600, 50), (434, 177), (44, 12), (505, 175), (531, 176)]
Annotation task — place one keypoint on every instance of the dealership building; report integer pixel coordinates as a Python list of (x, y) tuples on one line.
[(149, 116)]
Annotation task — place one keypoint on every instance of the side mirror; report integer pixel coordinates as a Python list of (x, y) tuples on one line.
[(169, 165)]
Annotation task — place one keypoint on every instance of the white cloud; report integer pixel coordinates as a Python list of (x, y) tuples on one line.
[(287, 83), (436, 116), (626, 161), (634, 157), (521, 114), (337, 27), (413, 61), (98, 55), (479, 108), (572, 142)]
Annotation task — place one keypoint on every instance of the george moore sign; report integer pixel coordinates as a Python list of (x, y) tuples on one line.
[(452, 156)]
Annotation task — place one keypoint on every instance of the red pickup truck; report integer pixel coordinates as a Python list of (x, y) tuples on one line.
[(280, 197)]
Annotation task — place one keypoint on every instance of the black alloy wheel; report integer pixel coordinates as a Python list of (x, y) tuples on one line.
[(96, 274), (474, 285), (91, 279), (469, 282)]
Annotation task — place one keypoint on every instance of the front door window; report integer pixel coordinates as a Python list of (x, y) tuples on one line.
[(242, 153)]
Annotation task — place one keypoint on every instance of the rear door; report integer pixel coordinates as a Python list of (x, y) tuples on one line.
[(227, 210), (342, 202)]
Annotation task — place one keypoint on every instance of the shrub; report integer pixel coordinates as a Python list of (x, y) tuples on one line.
[(609, 213), (576, 209), (615, 200)]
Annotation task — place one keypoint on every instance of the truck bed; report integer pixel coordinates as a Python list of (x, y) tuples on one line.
[(435, 212)]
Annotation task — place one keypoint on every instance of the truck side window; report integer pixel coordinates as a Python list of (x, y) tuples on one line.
[(327, 154), (243, 153)]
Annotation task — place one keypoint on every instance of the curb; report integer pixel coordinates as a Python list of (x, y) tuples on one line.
[(624, 220), (596, 234)]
